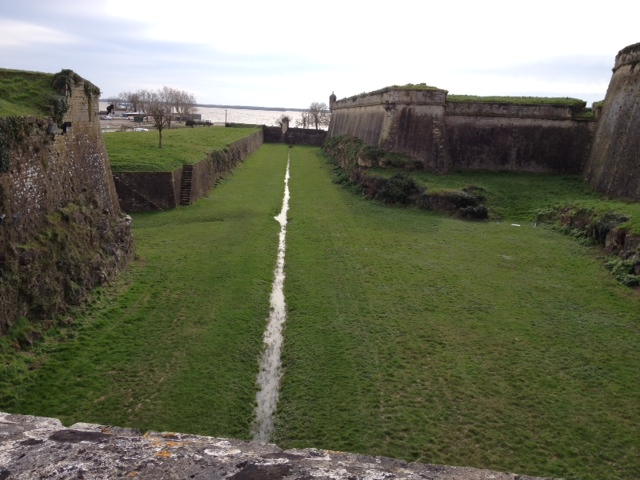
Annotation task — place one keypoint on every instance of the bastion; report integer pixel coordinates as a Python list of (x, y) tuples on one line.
[(450, 132), (614, 164), (61, 228)]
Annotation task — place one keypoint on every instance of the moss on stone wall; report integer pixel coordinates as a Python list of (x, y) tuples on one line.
[(13, 130), (77, 249), (61, 229)]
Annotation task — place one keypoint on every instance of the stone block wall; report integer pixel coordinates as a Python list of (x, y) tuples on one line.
[(39, 447), (62, 230), (295, 136), (515, 141), (613, 166), (470, 135), (209, 171), (148, 191), (404, 121)]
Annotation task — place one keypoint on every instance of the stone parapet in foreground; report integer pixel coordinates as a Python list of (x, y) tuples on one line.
[(37, 447)]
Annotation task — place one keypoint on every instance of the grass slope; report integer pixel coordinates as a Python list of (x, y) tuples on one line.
[(176, 345), (24, 93), (520, 196), (430, 339), (139, 152)]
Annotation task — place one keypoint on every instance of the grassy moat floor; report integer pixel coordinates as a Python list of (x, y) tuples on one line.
[(409, 334)]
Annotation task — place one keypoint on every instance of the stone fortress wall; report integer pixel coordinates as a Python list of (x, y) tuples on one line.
[(61, 228), (470, 135), (614, 164), (445, 135)]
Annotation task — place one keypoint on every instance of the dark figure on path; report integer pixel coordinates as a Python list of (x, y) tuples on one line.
[(110, 108)]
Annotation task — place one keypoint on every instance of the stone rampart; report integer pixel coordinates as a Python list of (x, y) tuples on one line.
[(517, 138), (405, 121), (446, 135), (61, 228), (613, 167)]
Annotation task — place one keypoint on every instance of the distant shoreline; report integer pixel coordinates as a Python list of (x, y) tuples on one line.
[(236, 107), (242, 107)]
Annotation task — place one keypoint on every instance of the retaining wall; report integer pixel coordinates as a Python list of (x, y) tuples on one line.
[(149, 191), (38, 447), (209, 171), (294, 136)]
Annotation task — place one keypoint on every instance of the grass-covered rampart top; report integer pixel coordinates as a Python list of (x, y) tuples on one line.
[(407, 87), (39, 94), (574, 103), (139, 152), (25, 93), (553, 101)]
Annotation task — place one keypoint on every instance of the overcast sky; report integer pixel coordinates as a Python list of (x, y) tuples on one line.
[(283, 53)]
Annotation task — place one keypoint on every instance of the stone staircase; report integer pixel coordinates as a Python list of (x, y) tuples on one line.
[(186, 184)]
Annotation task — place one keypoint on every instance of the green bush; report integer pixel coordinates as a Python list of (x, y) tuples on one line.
[(400, 188), (624, 270)]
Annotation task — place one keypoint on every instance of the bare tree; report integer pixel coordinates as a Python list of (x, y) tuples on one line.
[(158, 107), (303, 121), (318, 115), (163, 104), (130, 98), (143, 99), (184, 103)]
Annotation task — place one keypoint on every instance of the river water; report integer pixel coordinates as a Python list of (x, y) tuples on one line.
[(240, 115)]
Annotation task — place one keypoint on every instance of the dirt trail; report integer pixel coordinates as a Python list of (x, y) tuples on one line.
[(270, 365)]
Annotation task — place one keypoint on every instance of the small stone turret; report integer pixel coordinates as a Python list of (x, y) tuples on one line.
[(332, 100)]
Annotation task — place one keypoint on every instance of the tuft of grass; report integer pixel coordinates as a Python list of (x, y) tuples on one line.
[(139, 152)]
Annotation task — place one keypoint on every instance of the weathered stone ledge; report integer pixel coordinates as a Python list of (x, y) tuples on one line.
[(36, 447)]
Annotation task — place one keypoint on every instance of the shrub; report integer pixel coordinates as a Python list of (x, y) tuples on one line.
[(602, 225), (479, 212), (400, 189), (625, 270)]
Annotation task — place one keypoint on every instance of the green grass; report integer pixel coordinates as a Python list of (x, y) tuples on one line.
[(24, 93), (174, 344), (557, 101), (430, 339), (520, 196), (139, 152), (409, 334)]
